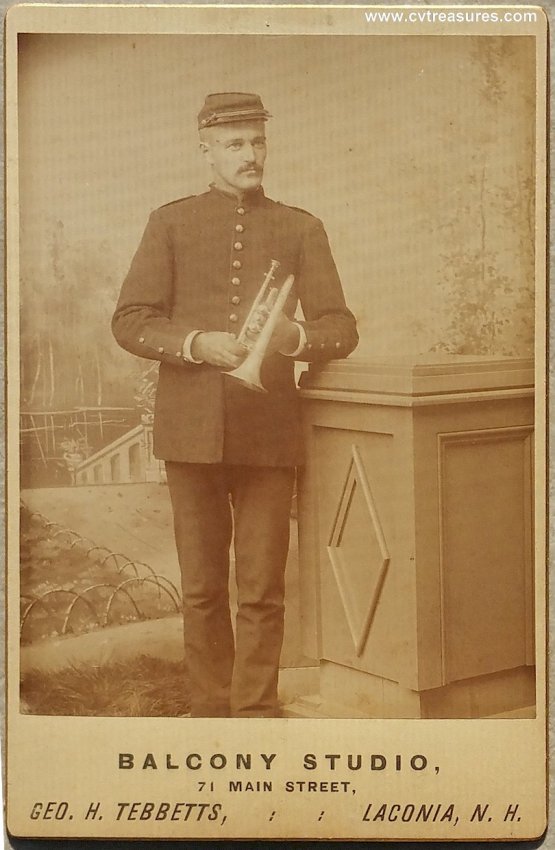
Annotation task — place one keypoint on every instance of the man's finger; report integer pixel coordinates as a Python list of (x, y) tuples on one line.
[(234, 348), (229, 361)]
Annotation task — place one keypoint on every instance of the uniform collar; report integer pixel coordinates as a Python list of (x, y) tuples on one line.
[(250, 199)]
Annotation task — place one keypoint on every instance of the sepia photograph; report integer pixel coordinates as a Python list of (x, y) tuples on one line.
[(279, 413)]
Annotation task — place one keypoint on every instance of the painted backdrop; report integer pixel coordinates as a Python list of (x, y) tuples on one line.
[(416, 152)]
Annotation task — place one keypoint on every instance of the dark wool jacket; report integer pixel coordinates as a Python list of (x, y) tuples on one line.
[(199, 266)]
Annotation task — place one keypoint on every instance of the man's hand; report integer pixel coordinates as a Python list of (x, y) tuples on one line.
[(286, 336), (218, 349)]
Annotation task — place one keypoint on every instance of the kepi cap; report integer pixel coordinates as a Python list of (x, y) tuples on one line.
[(229, 107)]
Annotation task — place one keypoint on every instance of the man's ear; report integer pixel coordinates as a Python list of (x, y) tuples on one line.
[(206, 151)]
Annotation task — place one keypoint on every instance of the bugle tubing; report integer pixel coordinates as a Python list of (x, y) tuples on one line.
[(262, 292)]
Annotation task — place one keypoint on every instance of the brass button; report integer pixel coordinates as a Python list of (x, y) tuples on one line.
[(161, 350), (322, 345), (233, 317), (338, 345), (179, 354), (235, 281), (235, 300), (141, 339), (238, 246), (236, 264), (309, 345), (240, 211), (239, 228)]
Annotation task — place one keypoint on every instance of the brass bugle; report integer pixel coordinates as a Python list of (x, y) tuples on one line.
[(248, 373)]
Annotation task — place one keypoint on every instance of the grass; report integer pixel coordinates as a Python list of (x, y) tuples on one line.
[(138, 687)]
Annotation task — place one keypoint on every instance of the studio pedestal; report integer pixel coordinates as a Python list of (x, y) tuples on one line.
[(415, 535)]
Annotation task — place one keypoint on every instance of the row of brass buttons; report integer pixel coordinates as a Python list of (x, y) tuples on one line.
[(238, 246)]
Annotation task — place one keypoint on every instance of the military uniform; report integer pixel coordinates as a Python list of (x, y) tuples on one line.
[(199, 266)]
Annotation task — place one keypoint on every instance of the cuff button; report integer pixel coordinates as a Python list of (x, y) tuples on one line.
[(160, 350), (141, 339)]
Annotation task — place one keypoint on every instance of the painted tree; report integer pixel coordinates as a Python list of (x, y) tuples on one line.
[(487, 276), (69, 357)]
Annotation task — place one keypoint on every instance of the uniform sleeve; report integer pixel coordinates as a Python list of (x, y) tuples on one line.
[(329, 325), (142, 322)]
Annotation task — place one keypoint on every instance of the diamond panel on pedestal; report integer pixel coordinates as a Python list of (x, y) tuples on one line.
[(358, 552)]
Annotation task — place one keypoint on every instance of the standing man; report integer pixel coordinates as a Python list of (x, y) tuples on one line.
[(197, 270)]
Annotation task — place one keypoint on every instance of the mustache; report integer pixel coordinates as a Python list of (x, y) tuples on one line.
[(255, 168)]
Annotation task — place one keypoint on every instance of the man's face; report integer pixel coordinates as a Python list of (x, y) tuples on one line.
[(236, 153)]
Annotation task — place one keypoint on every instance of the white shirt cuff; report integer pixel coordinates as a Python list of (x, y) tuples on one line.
[(187, 347), (302, 342)]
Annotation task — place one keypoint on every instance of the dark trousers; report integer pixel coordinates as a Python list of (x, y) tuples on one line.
[(232, 678)]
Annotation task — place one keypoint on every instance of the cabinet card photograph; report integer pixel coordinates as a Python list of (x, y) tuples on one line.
[(276, 488)]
